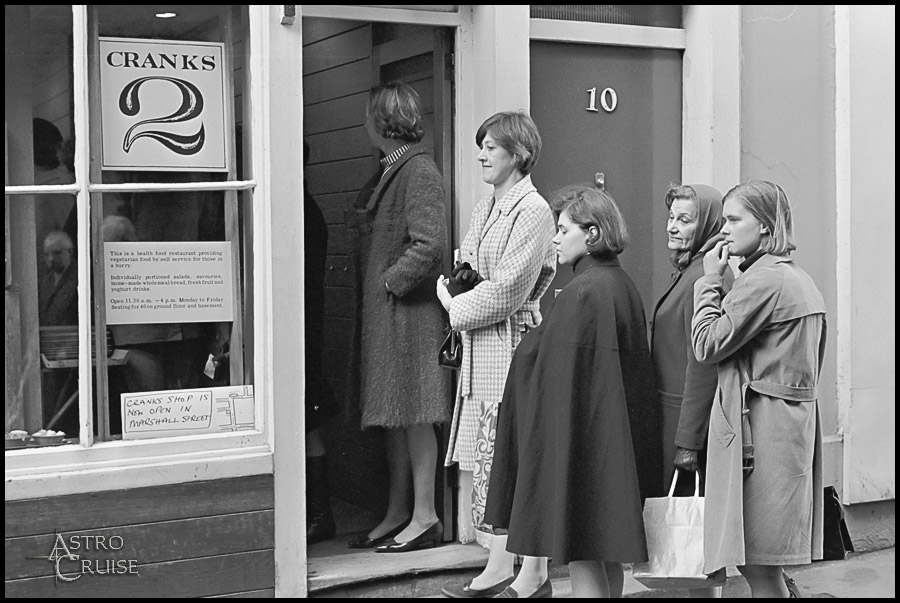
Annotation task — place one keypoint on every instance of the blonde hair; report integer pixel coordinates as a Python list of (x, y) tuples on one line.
[(768, 203)]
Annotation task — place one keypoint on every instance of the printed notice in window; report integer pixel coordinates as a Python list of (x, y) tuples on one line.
[(149, 282)]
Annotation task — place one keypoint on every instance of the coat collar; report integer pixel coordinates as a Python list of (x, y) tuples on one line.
[(593, 261), (768, 260), (395, 168), (508, 202), (512, 197)]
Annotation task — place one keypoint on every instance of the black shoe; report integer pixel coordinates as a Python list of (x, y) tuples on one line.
[(465, 591), (544, 592), (794, 591), (426, 540), (364, 542)]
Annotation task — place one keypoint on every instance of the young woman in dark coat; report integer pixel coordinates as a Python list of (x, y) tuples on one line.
[(577, 445)]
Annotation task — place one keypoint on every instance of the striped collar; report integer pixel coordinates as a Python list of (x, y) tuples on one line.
[(387, 162)]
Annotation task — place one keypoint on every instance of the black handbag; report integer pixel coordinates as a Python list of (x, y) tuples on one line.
[(450, 352), (837, 541)]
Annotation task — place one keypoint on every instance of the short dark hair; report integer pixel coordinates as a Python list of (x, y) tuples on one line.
[(517, 133), (589, 206), (768, 203), (47, 142), (396, 112)]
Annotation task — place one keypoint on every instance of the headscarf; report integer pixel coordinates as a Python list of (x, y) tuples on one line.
[(709, 223)]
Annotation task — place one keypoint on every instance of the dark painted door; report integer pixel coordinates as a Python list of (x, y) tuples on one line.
[(617, 111)]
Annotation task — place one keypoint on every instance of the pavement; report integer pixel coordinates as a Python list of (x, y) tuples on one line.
[(859, 575)]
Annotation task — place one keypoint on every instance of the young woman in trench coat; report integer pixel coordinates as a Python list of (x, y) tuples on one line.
[(767, 337)]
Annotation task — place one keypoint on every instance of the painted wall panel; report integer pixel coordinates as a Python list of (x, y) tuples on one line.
[(787, 136), (871, 448)]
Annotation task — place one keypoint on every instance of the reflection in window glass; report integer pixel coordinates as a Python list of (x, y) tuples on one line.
[(197, 343), (173, 283), (41, 308), (170, 290)]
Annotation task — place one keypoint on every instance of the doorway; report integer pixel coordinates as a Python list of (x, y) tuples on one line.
[(342, 61), (614, 111)]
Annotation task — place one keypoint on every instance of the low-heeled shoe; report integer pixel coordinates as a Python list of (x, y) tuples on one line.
[(426, 540), (364, 542), (544, 592), (465, 591)]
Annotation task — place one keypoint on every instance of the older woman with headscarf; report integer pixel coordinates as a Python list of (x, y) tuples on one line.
[(685, 387)]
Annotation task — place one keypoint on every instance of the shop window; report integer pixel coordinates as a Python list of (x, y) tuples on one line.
[(163, 301), (648, 15)]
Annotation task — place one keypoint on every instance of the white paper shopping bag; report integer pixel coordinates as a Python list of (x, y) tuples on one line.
[(673, 526)]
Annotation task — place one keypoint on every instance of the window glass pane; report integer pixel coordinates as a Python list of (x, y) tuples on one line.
[(650, 15), (175, 286), (170, 90), (39, 86), (172, 290), (41, 272)]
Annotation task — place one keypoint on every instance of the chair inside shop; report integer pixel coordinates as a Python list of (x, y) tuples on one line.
[(59, 356)]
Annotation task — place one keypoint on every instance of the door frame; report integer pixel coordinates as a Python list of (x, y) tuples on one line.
[(492, 74)]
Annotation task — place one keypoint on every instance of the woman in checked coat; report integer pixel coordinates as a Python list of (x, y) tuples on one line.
[(509, 246)]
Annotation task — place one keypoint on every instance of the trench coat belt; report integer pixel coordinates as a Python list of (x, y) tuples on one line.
[(784, 392), (774, 390), (529, 314)]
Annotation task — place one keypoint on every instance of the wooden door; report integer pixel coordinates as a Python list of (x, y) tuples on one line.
[(615, 111), (342, 61)]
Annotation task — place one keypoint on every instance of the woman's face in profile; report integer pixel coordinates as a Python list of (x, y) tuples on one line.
[(742, 231), (682, 224), (570, 240), (497, 164)]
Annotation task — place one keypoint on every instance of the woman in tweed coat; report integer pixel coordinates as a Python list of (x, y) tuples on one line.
[(509, 245), (402, 240)]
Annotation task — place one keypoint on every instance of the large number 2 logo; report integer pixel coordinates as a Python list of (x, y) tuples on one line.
[(191, 107)]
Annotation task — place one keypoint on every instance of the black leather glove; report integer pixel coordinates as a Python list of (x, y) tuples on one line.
[(462, 278), (687, 460)]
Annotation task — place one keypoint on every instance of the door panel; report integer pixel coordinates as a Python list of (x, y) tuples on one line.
[(636, 145), (342, 61)]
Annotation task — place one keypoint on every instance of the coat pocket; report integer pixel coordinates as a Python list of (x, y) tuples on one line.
[(719, 427)]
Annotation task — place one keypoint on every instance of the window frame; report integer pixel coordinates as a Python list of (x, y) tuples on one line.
[(86, 466)]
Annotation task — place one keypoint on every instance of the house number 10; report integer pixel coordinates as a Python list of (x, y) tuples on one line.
[(608, 99)]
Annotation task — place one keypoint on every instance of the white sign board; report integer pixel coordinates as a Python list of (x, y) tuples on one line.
[(163, 105), (187, 412), (149, 282)]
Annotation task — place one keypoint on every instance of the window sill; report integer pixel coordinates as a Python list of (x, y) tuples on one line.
[(63, 470)]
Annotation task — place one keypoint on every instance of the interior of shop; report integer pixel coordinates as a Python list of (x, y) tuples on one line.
[(342, 61)]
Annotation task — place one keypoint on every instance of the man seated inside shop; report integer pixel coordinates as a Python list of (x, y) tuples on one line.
[(57, 306), (58, 289)]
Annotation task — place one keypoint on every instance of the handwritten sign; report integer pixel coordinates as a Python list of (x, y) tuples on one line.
[(168, 282), (162, 105), (188, 411)]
